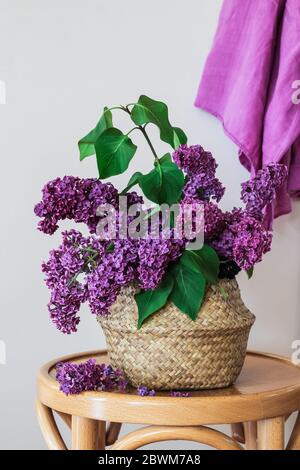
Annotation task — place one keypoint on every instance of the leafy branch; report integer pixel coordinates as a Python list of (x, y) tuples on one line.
[(114, 150)]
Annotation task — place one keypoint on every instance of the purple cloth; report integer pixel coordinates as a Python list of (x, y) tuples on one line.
[(248, 84)]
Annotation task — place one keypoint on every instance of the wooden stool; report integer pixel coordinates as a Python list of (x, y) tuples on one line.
[(265, 394)]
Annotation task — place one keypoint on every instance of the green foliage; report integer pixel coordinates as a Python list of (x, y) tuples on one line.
[(114, 150), (205, 260), (179, 137), (87, 144), (189, 290), (150, 301), (132, 182), (250, 272), (184, 284), (147, 110), (164, 183)]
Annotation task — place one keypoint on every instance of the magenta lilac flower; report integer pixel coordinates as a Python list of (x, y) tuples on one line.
[(73, 198), (200, 167), (205, 216), (154, 257), (194, 160), (145, 391), (204, 188), (117, 269), (76, 254), (87, 376), (251, 242), (260, 190), (244, 240)]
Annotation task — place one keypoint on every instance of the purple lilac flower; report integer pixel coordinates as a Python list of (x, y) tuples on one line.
[(251, 242), (73, 198), (116, 269), (223, 242), (194, 160), (261, 190), (244, 239), (154, 257), (76, 378), (73, 256), (175, 393), (212, 218), (145, 392), (200, 167), (204, 188)]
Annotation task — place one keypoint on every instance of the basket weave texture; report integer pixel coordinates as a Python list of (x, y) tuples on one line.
[(172, 352)]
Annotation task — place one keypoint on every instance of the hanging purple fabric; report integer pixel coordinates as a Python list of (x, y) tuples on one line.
[(250, 83)]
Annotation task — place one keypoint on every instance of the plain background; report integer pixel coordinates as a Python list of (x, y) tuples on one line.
[(62, 61)]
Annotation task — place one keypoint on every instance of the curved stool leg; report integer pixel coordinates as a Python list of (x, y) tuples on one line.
[(294, 441), (49, 428), (270, 434), (86, 434), (151, 434)]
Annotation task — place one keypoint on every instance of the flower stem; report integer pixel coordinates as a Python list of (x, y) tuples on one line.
[(143, 131)]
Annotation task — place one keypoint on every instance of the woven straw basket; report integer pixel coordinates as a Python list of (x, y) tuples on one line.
[(171, 351)]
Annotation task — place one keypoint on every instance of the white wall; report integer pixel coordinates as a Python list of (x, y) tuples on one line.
[(62, 61)]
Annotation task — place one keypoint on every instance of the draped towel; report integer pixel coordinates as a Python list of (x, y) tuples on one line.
[(251, 82)]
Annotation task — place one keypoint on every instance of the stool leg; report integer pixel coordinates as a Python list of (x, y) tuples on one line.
[(270, 434), (237, 432), (294, 441), (85, 434), (49, 427), (112, 433), (250, 429)]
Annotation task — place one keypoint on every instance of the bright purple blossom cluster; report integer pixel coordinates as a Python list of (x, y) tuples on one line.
[(154, 257), (76, 254), (86, 269), (260, 191), (143, 391), (87, 376), (73, 198), (244, 240), (117, 269), (75, 378), (239, 235), (200, 167)]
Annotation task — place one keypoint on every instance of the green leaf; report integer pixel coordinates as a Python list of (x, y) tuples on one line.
[(205, 261), (114, 150), (250, 272), (132, 182), (179, 137), (164, 183), (87, 144), (147, 110), (150, 301), (188, 291), (166, 159)]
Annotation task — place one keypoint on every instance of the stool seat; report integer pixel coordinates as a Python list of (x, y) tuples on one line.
[(267, 390)]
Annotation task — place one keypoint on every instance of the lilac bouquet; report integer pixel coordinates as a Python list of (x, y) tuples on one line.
[(163, 264)]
